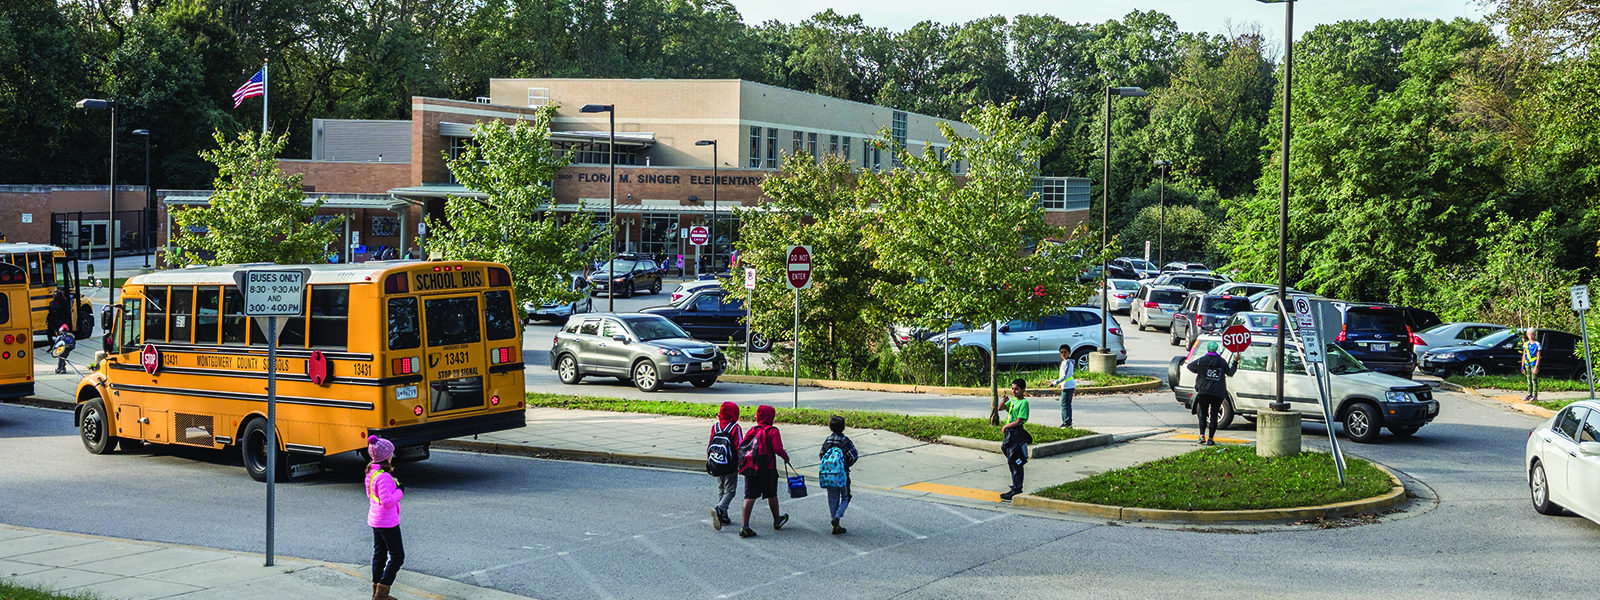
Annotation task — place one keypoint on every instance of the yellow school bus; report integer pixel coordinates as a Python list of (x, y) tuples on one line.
[(409, 351), (49, 269), (16, 333)]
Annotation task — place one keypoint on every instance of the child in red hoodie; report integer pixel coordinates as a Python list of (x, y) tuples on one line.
[(761, 474), (727, 485)]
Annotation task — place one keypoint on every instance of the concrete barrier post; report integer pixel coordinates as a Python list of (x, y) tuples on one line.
[(1102, 362), (1277, 433)]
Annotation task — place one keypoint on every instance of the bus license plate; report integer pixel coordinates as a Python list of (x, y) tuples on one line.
[(705, 366), (405, 393)]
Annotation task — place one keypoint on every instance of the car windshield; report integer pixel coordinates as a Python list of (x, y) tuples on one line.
[(1141, 264), (1226, 306), (1375, 320), (1495, 339), (654, 328), (1123, 284), (1263, 321), (1436, 328), (1167, 296), (1199, 284), (618, 266), (1341, 363)]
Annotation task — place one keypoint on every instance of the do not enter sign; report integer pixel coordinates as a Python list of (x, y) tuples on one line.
[(699, 235), (799, 267), (1236, 339)]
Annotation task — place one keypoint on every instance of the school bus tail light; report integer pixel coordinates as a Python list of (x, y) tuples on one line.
[(495, 400), (500, 355), (498, 277), (407, 366), (11, 339), (396, 284)]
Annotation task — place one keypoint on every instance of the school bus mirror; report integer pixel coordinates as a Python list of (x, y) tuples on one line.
[(108, 316), (107, 345)]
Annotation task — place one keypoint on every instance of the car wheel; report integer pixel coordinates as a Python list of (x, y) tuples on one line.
[(1361, 424), (95, 429), (85, 324), (645, 376), (1404, 431), (253, 451), (703, 383), (629, 292), (759, 343), (1189, 340), (567, 370), (1539, 490), (1172, 336), (1474, 369), (1173, 372), (1225, 420), (655, 288), (1081, 359)]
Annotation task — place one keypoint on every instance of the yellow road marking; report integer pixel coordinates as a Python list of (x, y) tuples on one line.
[(951, 490), (1220, 440)]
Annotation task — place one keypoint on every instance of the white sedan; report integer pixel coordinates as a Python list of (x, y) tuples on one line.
[(1121, 296), (1563, 461)]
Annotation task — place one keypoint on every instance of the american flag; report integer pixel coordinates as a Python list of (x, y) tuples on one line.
[(254, 87)]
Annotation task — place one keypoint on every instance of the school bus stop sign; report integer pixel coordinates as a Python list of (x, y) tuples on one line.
[(150, 359)]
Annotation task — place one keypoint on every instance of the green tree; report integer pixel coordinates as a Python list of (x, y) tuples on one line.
[(256, 213), (511, 220), (961, 248), (1513, 281), (1190, 234)]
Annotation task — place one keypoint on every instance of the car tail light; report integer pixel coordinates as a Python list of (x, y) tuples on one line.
[(1121, 296), (406, 366), (1342, 329), (1116, 331), (500, 355), (1198, 320), (1415, 341), (1149, 305)]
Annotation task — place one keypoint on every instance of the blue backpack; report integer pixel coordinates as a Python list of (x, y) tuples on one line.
[(831, 474)]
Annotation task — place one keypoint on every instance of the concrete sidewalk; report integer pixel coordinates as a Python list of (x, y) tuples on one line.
[(134, 570), (888, 461)]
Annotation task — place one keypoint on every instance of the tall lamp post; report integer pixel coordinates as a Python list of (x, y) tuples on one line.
[(1105, 218), (1283, 196), (713, 144), (149, 200), (1161, 229), (111, 206), (611, 212)]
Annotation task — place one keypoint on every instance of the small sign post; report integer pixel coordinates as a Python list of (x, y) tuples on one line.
[(276, 294), (749, 284), (798, 276), (1314, 352), (1580, 303)]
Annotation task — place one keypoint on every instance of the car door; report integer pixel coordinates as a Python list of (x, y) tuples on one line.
[(699, 316), (730, 318), (611, 355), (586, 343), (1561, 451), (1559, 356), (1583, 472), (1253, 383), (1017, 342), (1183, 320), (1054, 332), (1505, 357), (1299, 387)]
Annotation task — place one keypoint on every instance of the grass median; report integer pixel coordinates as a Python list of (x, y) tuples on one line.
[(925, 428), (1518, 383), (1037, 378), (11, 590), (1227, 478)]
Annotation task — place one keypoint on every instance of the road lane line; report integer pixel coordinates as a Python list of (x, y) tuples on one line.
[(677, 565), (588, 577), (892, 525), (473, 573), (833, 538), (957, 513)]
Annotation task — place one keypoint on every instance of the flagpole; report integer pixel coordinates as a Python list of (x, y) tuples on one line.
[(264, 98)]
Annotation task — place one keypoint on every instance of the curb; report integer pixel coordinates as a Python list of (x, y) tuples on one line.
[(1394, 497), (1517, 405), (666, 462), (1153, 384), (1035, 450), (43, 403)]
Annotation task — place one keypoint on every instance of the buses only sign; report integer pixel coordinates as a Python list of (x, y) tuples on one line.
[(273, 292)]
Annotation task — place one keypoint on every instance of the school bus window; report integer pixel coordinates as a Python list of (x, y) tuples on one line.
[(49, 266), (35, 273), (63, 273), (155, 314), (258, 331), (330, 316), (451, 320), (181, 315), (130, 324), (499, 320), (453, 394), (5, 310), (234, 323), (207, 314), (292, 334), (403, 333)]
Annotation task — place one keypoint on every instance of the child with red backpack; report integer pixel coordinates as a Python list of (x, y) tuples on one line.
[(722, 461), (760, 469)]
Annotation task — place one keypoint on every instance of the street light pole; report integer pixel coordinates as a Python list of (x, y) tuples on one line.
[(1278, 403), (713, 144), (611, 212), (1105, 218), (144, 217), (111, 208), (1161, 232)]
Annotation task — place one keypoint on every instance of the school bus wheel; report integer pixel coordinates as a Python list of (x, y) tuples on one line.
[(95, 429), (253, 451)]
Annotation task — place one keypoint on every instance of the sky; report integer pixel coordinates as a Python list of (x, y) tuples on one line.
[(1212, 16)]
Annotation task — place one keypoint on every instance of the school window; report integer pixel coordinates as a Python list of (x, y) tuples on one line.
[(799, 142), (772, 148), (811, 144), (180, 316), (846, 149), (1052, 192), (207, 314), (833, 144), (330, 316), (155, 314), (234, 322), (131, 325), (877, 157), (866, 154), (899, 132), (755, 147)]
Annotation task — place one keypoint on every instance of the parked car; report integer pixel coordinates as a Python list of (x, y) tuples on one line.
[(1089, 274), (1179, 265), (1563, 462), (1041, 341), (559, 311), (905, 334), (647, 350), (1194, 282), (1201, 314), (1262, 301), (625, 276), (688, 288), (1121, 294), (1141, 269), (1258, 323), (1364, 400), (1378, 336), (1501, 353), (1450, 334), (710, 314), (1242, 289), (1154, 305)]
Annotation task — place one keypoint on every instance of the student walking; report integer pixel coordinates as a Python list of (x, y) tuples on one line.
[(838, 455), (722, 461), (383, 515), (760, 468), (1068, 382), (1532, 351), (62, 347), (1211, 390), (1015, 439)]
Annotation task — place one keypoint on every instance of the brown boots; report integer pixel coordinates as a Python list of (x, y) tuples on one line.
[(381, 592)]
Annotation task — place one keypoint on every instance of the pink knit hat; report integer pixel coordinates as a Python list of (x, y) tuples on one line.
[(379, 449)]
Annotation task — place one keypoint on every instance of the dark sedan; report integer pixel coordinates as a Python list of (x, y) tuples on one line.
[(624, 276), (711, 315), (1501, 353)]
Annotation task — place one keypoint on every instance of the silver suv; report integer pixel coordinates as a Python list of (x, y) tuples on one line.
[(1154, 305), (646, 350), (1040, 341)]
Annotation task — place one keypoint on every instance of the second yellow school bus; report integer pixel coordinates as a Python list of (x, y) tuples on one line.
[(16, 333), (409, 351)]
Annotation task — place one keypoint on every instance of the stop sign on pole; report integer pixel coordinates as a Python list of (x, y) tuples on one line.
[(699, 235), (1236, 339), (799, 267)]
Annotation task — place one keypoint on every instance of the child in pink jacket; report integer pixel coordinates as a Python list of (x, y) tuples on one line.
[(383, 515)]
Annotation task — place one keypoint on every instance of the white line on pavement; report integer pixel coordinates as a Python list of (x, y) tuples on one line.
[(955, 512), (588, 577)]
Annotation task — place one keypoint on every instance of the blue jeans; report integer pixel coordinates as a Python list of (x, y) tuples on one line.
[(838, 500), (1066, 406)]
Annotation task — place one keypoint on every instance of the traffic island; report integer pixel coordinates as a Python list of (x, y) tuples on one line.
[(1225, 485), (1145, 385)]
